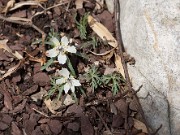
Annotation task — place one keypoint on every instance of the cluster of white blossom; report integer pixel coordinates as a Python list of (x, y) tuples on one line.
[(60, 50)]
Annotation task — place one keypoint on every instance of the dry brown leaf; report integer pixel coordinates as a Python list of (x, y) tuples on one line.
[(32, 58), (102, 31), (25, 3), (39, 96), (99, 4), (79, 4), (140, 125), (9, 5), (3, 45), (119, 65), (19, 19), (109, 70), (56, 104), (10, 71), (39, 60), (48, 103), (68, 100)]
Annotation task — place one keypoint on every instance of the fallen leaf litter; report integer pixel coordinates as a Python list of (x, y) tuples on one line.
[(24, 100)]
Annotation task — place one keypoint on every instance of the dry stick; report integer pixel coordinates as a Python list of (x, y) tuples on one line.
[(120, 42), (101, 118), (40, 112)]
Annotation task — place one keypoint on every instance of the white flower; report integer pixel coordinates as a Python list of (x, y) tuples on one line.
[(69, 81), (60, 49)]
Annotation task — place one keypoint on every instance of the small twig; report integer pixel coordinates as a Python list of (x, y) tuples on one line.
[(68, 5), (40, 112), (101, 118)]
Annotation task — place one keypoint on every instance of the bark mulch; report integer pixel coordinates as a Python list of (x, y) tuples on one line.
[(23, 110)]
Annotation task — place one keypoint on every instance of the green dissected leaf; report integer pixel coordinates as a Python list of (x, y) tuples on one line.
[(55, 88), (60, 90), (49, 62), (93, 77), (94, 42), (81, 25), (49, 43), (52, 33), (113, 80), (51, 91)]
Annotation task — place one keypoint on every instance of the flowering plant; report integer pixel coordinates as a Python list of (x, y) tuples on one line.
[(67, 80), (60, 49)]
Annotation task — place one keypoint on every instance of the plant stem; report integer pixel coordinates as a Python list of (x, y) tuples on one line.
[(71, 67)]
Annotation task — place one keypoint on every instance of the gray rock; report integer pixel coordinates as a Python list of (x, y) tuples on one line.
[(110, 5), (151, 34)]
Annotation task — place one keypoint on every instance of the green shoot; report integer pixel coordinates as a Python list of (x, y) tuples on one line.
[(55, 88), (114, 79), (49, 62), (94, 43), (70, 66), (93, 77), (52, 33), (81, 25)]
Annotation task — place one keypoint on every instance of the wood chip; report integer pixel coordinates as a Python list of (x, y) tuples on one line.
[(79, 4)]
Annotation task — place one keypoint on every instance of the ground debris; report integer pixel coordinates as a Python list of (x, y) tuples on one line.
[(25, 107)]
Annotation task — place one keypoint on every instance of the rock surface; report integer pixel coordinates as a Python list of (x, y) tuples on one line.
[(151, 34)]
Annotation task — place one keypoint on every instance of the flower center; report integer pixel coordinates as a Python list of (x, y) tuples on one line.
[(61, 49), (69, 81)]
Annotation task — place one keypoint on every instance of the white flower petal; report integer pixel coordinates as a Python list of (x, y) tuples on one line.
[(64, 72), (55, 41), (52, 52), (70, 40), (71, 49), (66, 87), (75, 82), (72, 88), (60, 81), (62, 58), (64, 40)]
